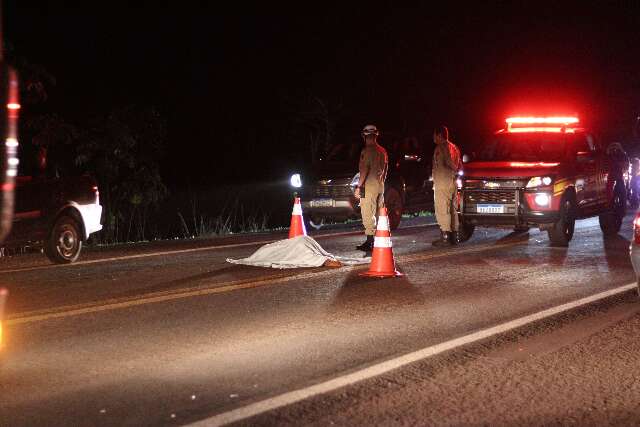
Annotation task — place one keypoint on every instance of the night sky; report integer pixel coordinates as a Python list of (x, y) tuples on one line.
[(230, 82)]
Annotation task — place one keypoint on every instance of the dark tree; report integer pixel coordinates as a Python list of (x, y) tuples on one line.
[(123, 151)]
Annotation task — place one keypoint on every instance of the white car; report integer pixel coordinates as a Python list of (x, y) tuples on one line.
[(634, 248)]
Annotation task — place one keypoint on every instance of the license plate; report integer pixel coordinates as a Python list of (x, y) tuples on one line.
[(495, 209), (322, 203)]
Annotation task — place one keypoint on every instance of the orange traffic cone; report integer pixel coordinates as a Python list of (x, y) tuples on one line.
[(382, 263), (297, 223)]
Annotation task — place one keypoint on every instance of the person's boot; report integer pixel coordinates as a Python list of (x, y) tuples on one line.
[(444, 240), (454, 238), (367, 245)]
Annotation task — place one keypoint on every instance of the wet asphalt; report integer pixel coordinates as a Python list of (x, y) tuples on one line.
[(168, 333)]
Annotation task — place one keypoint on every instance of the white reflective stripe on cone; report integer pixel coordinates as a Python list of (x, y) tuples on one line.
[(297, 209), (382, 242), (383, 223)]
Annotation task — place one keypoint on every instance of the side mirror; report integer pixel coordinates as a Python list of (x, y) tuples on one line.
[(584, 157)]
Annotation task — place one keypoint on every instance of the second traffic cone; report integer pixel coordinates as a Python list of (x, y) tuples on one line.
[(297, 227), (382, 263)]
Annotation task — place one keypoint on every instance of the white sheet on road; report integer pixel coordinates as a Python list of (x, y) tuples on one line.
[(302, 251)]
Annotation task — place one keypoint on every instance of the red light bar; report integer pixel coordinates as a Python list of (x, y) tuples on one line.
[(536, 129), (541, 129), (542, 120), (532, 164)]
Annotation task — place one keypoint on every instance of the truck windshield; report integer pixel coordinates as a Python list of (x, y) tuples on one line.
[(536, 147), (343, 153)]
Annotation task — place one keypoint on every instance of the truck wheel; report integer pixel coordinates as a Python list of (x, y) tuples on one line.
[(610, 222), (465, 231), (64, 243), (393, 203), (562, 231)]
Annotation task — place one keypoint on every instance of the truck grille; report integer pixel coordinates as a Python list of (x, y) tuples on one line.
[(494, 184), (331, 191), (499, 197)]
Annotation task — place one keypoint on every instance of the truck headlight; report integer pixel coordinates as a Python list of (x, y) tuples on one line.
[(355, 180), (295, 180), (538, 181)]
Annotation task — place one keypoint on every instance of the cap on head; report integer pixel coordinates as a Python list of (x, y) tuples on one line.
[(370, 130)]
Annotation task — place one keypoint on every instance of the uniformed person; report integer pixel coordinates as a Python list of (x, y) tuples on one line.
[(370, 190), (445, 167)]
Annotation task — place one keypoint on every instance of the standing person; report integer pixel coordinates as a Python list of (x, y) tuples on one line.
[(370, 190), (446, 164)]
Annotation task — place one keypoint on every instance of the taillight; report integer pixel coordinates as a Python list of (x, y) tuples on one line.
[(636, 229)]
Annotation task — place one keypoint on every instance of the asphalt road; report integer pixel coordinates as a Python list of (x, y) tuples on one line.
[(169, 333)]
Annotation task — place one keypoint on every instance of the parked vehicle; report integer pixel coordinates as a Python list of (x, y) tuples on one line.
[(543, 172), (56, 213), (634, 248), (634, 183), (327, 191)]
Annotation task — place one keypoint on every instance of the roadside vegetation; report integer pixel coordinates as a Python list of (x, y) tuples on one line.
[(123, 149)]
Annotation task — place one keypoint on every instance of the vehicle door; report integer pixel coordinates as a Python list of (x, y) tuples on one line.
[(28, 201), (586, 165), (603, 171)]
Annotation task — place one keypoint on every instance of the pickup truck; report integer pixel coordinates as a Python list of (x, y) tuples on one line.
[(56, 213), (543, 172), (327, 191)]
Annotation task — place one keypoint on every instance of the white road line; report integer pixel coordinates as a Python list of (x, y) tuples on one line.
[(180, 251), (398, 362)]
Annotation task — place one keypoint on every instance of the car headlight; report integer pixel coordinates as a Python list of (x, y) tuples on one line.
[(538, 181), (295, 180)]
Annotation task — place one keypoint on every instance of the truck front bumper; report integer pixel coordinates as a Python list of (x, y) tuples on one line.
[(514, 210)]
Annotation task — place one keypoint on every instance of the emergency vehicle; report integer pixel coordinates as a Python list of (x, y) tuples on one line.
[(543, 172)]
